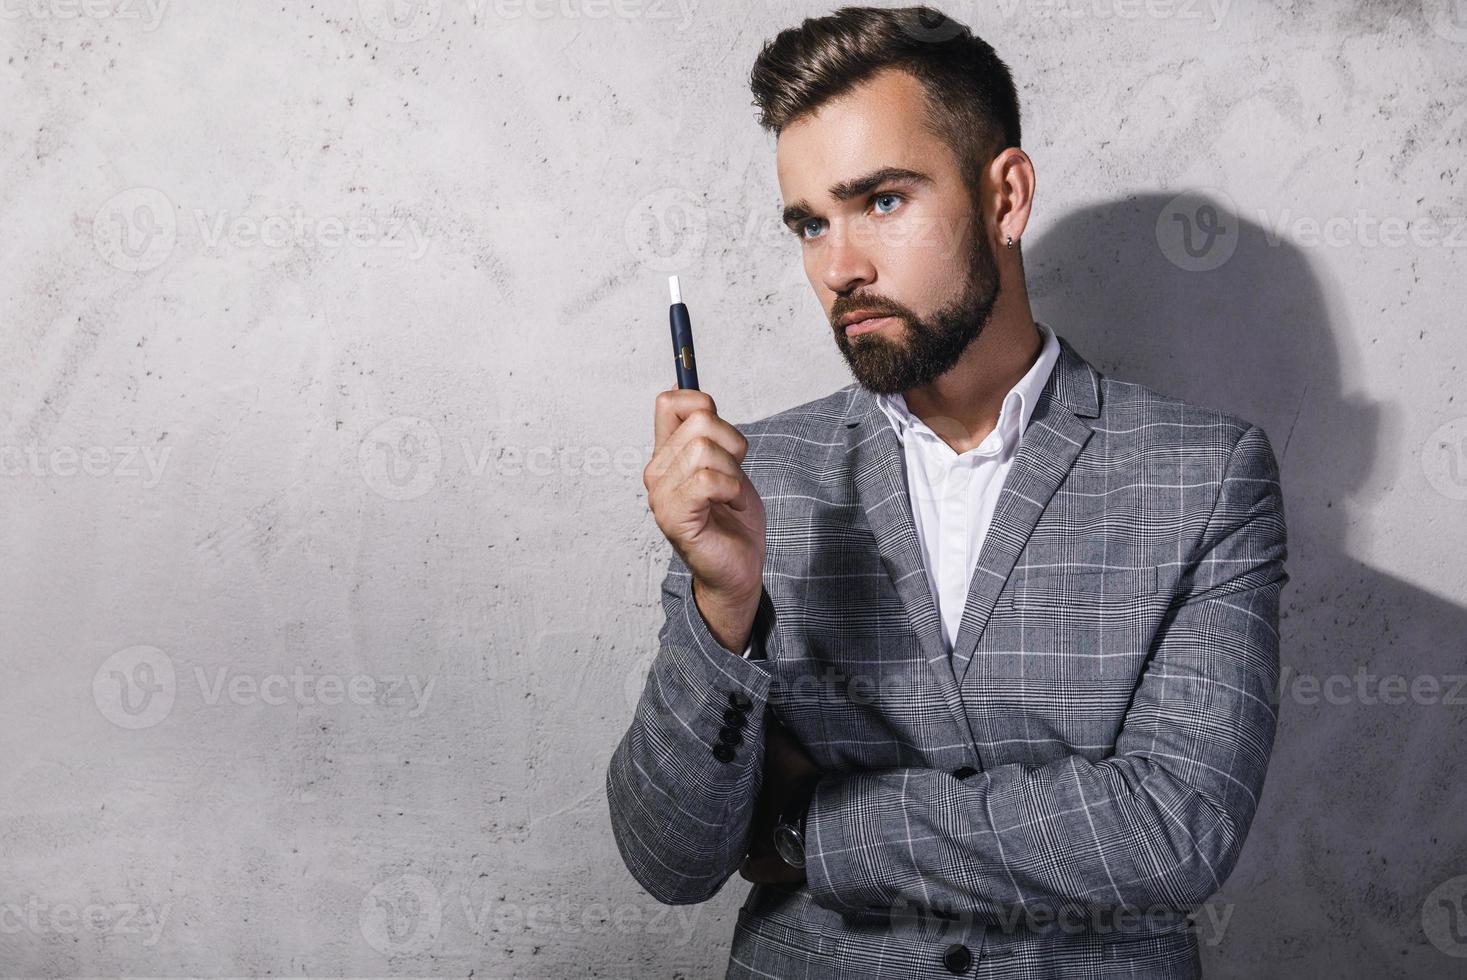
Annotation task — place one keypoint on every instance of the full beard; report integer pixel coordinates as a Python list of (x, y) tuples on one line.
[(929, 346)]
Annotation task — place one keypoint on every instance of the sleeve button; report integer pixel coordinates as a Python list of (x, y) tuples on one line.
[(740, 700), (723, 752), (957, 958)]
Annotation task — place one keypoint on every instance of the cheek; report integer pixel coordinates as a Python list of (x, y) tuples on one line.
[(815, 273), (939, 244)]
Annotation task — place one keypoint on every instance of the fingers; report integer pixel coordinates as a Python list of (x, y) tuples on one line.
[(676, 404), (681, 414), (712, 485), (699, 471)]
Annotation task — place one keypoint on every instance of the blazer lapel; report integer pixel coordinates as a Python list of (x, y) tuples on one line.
[(1056, 434), (878, 469)]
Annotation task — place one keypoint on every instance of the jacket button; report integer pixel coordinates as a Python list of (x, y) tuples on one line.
[(740, 700), (723, 752), (730, 736), (734, 718), (957, 959), (964, 772)]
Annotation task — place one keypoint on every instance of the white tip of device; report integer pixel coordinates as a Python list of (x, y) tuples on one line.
[(677, 293)]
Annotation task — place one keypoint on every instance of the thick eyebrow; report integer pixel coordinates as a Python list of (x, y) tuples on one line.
[(858, 187)]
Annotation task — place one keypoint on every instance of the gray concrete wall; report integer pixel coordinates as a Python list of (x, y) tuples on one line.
[(328, 346)]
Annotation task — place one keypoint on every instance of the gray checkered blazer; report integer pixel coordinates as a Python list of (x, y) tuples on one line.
[(1050, 797)]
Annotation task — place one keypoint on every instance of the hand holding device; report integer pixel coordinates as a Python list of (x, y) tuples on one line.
[(704, 503)]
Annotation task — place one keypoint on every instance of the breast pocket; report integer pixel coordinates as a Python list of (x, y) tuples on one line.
[(1076, 624)]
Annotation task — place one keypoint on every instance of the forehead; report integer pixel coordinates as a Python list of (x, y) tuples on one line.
[(878, 123)]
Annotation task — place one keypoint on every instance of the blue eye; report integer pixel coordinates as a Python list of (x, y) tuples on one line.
[(804, 227), (894, 198)]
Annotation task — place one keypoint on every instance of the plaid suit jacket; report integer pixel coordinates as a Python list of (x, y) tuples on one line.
[(1048, 798)]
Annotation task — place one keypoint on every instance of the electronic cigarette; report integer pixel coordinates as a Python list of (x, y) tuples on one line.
[(682, 338)]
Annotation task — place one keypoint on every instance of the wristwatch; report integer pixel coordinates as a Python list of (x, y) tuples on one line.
[(789, 829)]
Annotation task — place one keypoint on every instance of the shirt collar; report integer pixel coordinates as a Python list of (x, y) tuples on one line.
[(1025, 394)]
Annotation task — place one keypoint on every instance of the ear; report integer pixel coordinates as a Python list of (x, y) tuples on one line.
[(1011, 182)]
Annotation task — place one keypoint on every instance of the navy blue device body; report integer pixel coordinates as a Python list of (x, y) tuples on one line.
[(682, 346)]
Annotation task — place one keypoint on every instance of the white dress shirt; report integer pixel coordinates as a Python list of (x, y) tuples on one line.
[(953, 495)]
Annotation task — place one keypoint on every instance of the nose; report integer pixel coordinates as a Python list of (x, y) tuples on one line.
[(847, 263)]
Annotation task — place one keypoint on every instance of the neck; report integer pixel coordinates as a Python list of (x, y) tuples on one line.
[(971, 393)]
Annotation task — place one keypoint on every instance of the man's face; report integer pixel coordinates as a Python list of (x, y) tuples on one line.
[(886, 224)]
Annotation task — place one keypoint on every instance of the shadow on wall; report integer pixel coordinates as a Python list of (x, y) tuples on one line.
[(1356, 863)]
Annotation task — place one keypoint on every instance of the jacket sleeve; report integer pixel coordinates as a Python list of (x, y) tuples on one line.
[(680, 813), (1158, 824)]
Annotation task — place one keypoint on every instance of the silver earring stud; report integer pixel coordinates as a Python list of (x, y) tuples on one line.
[(1010, 241)]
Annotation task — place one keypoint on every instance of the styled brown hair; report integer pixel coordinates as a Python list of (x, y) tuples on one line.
[(971, 104)]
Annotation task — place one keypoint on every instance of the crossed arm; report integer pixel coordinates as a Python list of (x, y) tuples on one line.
[(1158, 823), (681, 814)]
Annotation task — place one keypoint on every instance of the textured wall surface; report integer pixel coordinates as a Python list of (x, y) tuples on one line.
[(328, 345)]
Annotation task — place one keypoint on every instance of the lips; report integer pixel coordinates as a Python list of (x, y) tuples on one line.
[(867, 324)]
